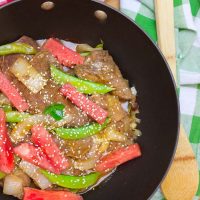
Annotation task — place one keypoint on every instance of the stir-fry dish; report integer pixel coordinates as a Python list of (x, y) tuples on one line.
[(67, 119)]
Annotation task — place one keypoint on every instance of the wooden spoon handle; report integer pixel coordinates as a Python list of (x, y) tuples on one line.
[(113, 3), (182, 179), (165, 28)]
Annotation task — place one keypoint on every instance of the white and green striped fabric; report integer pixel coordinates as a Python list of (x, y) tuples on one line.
[(187, 28)]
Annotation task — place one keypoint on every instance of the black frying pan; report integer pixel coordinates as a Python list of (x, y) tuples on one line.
[(140, 62)]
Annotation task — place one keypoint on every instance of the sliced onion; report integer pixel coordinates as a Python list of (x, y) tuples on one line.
[(34, 172), (133, 125), (95, 146), (81, 48), (26, 179), (113, 135), (41, 42), (134, 91), (99, 146), (125, 106), (13, 185), (137, 132), (70, 45), (66, 120), (22, 128), (85, 164), (137, 120), (28, 75), (104, 146)]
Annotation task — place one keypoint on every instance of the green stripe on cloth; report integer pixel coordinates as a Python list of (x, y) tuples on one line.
[(195, 130), (192, 58), (148, 25), (195, 4), (146, 12), (177, 3), (131, 14)]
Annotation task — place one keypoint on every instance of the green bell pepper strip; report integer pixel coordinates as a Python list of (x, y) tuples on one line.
[(100, 45), (55, 110), (16, 47), (14, 116), (85, 54), (84, 86), (81, 132), (6, 108), (72, 182), (2, 175)]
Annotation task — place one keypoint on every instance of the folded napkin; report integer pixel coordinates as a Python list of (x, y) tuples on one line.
[(187, 29)]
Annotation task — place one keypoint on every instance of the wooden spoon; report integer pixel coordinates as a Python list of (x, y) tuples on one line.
[(181, 182), (113, 3)]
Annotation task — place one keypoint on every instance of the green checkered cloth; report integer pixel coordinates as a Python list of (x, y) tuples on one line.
[(187, 28)]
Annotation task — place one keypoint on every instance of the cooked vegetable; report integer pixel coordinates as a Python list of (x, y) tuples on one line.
[(85, 164), (104, 145), (81, 132), (44, 140), (115, 109), (34, 155), (13, 185), (2, 175), (72, 182), (100, 46), (66, 120), (6, 108), (64, 55), (6, 155), (84, 54), (34, 172), (13, 95), (99, 146), (85, 48), (33, 194), (14, 116), (55, 110), (86, 105), (58, 144), (26, 179), (28, 75), (112, 134), (22, 128), (16, 47), (81, 48), (84, 86), (118, 157)]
